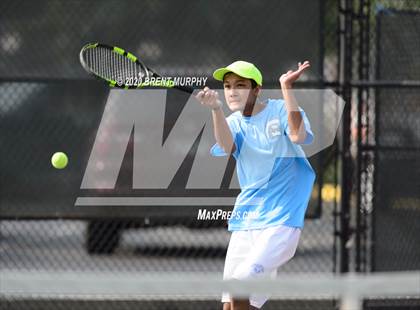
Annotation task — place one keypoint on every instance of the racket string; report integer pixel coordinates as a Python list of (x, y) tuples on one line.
[(114, 67), (100, 58), (108, 68)]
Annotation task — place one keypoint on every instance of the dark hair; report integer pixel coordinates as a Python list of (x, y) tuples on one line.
[(253, 83)]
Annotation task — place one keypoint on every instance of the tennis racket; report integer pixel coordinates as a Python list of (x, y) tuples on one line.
[(121, 69)]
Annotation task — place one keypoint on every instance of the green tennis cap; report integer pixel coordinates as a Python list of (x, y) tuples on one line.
[(242, 68)]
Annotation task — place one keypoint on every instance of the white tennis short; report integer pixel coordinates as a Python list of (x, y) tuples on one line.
[(258, 253)]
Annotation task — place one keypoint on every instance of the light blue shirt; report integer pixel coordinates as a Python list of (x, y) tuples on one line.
[(275, 177)]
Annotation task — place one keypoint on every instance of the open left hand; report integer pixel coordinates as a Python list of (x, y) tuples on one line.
[(287, 79)]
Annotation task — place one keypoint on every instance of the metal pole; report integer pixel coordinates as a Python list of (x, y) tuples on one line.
[(346, 45), (362, 117)]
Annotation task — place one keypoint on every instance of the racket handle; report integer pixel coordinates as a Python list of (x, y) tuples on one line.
[(186, 89)]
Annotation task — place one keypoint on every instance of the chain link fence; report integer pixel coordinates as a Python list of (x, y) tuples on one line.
[(43, 39), (397, 199), (381, 48), (48, 103)]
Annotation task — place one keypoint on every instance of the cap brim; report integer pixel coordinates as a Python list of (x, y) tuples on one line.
[(220, 73)]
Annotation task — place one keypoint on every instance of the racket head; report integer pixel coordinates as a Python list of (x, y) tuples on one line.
[(114, 65), (120, 68)]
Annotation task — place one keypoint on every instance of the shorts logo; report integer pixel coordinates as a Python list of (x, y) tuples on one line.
[(273, 128), (257, 268)]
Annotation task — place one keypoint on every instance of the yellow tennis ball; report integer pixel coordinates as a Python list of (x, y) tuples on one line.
[(59, 160)]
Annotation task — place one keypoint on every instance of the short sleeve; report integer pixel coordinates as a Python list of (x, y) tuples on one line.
[(285, 124), (216, 149)]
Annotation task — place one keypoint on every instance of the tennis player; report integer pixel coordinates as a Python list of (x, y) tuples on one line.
[(275, 177)]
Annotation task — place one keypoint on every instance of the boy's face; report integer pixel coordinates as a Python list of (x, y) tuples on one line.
[(239, 92)]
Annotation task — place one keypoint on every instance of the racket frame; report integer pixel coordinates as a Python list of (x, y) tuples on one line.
[(149, 73)]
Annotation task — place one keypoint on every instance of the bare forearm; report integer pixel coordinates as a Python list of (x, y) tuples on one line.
[(296, 125), (209, 98), (222, 132), (294, 119)]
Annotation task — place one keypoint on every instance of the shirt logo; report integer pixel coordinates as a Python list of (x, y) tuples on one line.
[(257, 268), (273, 128)]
